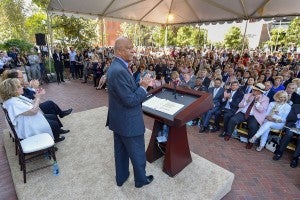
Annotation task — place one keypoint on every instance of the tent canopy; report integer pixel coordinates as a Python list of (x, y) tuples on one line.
[(178, 11)]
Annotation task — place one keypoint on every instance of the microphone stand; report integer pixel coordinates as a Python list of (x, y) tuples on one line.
[(175, 92)]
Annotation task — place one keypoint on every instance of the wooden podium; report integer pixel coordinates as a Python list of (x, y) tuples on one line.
[(177, 151)]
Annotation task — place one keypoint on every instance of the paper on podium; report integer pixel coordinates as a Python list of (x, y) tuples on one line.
[(163, 105)]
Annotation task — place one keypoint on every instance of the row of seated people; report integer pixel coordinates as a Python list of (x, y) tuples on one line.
[(255, 108), (28, 114)]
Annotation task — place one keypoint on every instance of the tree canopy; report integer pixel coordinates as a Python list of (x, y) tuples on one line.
[(155, 35), (21, 21), (234, 38)]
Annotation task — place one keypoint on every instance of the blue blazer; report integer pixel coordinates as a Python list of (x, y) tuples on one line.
[(219, 96), (125, 116)]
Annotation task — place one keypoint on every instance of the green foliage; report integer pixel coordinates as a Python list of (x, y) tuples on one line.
[(277, 38), (219, 45), (293, 32), (234, 38), (155, 35), (22, 45), (199, 37), (159, 36), (184, 36), (43, 4), (130, 30), (77, 32), (12, 19), (36, 23)]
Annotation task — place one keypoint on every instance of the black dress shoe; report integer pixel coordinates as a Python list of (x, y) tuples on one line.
[(55, 149), (62, 131), (215, 129), (120, 184), (195, 122), (203, 129), (59, 139), (294, 163), (277, 156), (222, 134), (65, 113), (148, 181), (83, 82)]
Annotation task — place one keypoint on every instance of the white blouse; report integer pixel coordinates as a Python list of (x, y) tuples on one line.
[(26, 125)]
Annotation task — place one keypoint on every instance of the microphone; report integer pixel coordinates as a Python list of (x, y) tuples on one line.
[(175, 82)]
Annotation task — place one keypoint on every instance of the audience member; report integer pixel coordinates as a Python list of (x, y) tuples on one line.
[(276, 115), (231, 98), (268, 90), (252, 109), (217, 92), (292, 129), (25, 113)]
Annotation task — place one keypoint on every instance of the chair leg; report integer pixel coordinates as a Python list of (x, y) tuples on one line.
[(20, 162), (16, 147), (52, 152), (23, 165), (24, 171)]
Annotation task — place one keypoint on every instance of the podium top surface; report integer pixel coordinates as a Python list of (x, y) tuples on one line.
[(184, 99), (194, 103)]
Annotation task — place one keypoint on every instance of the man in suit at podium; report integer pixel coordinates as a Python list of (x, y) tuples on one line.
[(125, 116)]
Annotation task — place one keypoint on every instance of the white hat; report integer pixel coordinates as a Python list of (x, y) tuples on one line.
[(260, 87)]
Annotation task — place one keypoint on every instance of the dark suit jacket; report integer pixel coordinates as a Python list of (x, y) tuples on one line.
[(224, 77), (206, 82), (295, 98), (236, 99), (244, 89), (125, 116), (292, 117), (270, 79), (30, 94), (57, 61), (287, 82), (218, 98), (271, 95)]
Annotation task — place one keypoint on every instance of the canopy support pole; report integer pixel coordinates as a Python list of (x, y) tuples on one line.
[(102, 32), (244, 36), (277, 37), (166, 37), (50, 33)]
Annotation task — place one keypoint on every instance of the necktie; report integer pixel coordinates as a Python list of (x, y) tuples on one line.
[(129, 69), (215, 92), (247, 113), (248, 90)]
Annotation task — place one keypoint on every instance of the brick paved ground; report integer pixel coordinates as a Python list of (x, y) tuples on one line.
[(257, 176)]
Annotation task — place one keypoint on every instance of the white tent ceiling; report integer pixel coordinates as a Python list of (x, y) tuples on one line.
[(183, 11)]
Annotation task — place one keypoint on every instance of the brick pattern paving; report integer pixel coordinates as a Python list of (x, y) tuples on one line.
[(257, 176)]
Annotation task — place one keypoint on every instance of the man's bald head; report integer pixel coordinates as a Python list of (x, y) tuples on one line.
[(124, 48)]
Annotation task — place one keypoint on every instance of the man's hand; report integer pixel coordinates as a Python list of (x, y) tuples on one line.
[(145, 82), (40, 92), (227, 95), (34, 84)]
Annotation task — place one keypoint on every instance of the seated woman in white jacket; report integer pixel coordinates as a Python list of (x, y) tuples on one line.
[(277, 112), (25, 114)]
